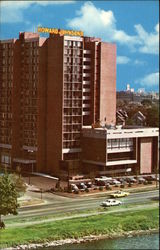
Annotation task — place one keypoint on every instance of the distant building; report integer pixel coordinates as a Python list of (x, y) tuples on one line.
[(139, 119), (121, 116), (133, 96)]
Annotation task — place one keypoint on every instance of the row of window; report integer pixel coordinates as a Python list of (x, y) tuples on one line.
[(5, 124), (5, 108), (73, 53), (5, 159), (6, 116), (6, 84), (73, 43), (30, 142), (72, 60), (5, 139), (72, 120), (29, 44), (119, 143), (71, 144), (7, 45)]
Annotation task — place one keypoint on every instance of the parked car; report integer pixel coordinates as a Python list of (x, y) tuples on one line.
[(148, 178), (100, 183), (121, 179), (124, 183), (115, 182), (131, 180), (89, 184), (74, 187), (103, 178), (110, 202), (119, 194), (82, 186), (141, 180)]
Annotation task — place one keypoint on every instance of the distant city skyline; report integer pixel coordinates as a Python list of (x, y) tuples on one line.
[(133, 26)]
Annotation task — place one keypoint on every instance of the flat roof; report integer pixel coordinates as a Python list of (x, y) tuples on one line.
[(118, 132)]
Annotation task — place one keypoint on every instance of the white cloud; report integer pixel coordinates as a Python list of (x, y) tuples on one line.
[(149, 80), (98, 22), (12, 11), (149, 41), (123, 59), (139, 62)]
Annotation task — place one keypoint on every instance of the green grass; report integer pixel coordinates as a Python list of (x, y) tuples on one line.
[(79, 227)]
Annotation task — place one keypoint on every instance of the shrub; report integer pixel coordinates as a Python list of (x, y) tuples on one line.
[(76, 191), (145, 182), (150, 182), (116, 185), (100, 188), (130, 184), (122, 186), (87, 190)]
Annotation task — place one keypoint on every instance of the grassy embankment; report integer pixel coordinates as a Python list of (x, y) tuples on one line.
[(79, 227)]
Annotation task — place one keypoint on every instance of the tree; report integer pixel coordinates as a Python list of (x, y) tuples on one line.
[(18, 182), (8, 197), (152, 117), (146, 102)]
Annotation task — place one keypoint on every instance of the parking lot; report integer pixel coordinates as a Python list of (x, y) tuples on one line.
[(103, 183)]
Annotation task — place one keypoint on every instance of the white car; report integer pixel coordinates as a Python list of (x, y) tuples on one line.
[(115, 182), (111, 202), (103, 178)]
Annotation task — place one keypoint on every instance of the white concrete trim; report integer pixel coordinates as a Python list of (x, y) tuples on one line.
[(113, 163), (71, 150), (23, 161), (5, 146)]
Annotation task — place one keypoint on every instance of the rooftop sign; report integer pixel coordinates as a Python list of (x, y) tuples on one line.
[(60, 32)]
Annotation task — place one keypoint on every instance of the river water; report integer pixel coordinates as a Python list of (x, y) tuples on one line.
[(148, 241)]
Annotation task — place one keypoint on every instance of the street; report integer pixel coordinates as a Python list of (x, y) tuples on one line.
[(62, 204)]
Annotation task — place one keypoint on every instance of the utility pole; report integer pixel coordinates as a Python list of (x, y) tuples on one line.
[(156, 176), (41, 193)]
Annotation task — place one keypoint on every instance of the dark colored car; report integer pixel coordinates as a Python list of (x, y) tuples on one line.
[(82, 186), (149, 178), (131, 180), (89, 184), (141, 180)]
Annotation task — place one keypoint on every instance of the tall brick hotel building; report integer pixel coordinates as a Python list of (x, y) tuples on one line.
[(51, 91)]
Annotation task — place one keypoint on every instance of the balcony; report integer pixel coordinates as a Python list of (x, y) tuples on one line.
[(86, 97), (86, 74), (86, 105), (86, 59), (71, 150), (122, 161), (86, 90), (86, 82), (86, 67), (86, 113), (86, 51)]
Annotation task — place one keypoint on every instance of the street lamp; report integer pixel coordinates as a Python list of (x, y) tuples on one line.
[(156, 176), (30, 151)]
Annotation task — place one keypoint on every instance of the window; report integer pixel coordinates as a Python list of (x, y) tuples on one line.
[(120, 143), (65, 43)]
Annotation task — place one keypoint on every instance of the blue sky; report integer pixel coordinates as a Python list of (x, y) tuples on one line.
[(132, 25)]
